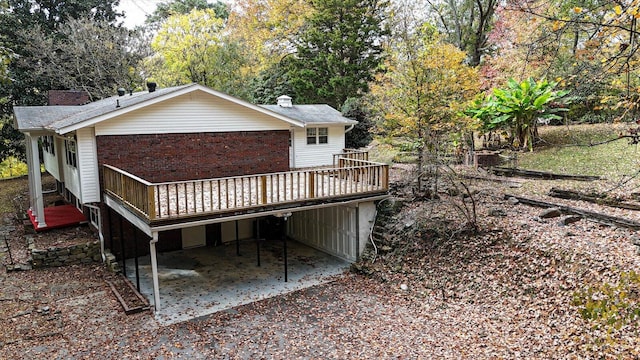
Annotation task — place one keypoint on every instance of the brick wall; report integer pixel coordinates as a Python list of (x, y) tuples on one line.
[(178, 157)]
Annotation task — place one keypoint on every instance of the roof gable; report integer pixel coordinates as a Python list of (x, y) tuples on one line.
[(63, 119)]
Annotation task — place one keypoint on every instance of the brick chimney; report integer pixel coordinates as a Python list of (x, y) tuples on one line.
[(285, 101), (68, 97)]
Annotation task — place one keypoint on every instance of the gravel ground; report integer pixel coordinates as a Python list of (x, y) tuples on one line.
[(435, 292)]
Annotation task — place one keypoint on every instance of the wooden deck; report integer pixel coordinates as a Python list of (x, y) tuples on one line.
[(350, 177)]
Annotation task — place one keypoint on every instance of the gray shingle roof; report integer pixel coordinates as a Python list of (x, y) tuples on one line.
[(56, 117), (32, 118), (311, 114)]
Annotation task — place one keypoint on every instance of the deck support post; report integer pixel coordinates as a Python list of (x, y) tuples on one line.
[(124, 258), (135, 255), (154, 270), (258, 239), (110, 229), (237, 240), (284, 217), (286, 262)]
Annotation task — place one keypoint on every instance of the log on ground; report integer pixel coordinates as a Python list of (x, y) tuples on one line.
[(596, 199), (503, 171), (596, 216)]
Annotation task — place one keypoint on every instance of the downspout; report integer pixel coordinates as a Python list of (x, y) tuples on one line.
[(292, 148), (358, 232), (154, 270), (100, 236)]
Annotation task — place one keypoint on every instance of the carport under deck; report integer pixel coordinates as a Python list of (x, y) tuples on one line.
[(352, 185), (202, 281)]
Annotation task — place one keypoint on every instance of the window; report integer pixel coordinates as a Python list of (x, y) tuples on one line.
[(317, 136), (70, 151), (48, 144)]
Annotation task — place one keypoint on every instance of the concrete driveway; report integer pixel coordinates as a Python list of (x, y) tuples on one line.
[(201, 281)]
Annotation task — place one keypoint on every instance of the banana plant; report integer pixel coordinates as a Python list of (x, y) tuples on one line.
[(517, 108)]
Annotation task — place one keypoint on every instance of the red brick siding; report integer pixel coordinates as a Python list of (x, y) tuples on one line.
[(178, 157)]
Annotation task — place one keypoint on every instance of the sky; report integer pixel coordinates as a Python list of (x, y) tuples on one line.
[(136, 11)]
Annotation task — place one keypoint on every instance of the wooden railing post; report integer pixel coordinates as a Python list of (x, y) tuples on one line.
[(151, 202), (385, 180), (263, 182), (312, 185)]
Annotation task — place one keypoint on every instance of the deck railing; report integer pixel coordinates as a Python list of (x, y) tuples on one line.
[(170, 200), (350, 154)]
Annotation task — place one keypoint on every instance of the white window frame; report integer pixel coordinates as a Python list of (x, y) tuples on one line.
[(94, 217), (317, 136)]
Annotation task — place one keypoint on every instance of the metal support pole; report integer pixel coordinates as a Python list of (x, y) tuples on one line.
[(124, 259), (237, 240), (110, 229), (258, 239), (135, 254)]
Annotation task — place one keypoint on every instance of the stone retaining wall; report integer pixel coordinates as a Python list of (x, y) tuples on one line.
[(76, 254)]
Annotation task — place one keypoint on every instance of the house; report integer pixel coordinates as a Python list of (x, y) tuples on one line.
[(188, 166)]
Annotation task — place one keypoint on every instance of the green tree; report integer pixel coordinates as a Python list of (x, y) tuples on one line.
[(268, 29), (360, 135), (84, 54), (25, 20), (50, 14), (22, 21), (420, 96), (164, 10), (194, 48), (11, 140), (271, 83), (517, 108), (465, 23), (338, 51)]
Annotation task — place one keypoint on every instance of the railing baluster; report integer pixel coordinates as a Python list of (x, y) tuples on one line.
[(226, 194), (249, 190)]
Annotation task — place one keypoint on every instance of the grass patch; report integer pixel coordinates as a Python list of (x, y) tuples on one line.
[(9, 189), (567, 150)]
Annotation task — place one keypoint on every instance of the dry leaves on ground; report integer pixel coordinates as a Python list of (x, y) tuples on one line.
[(435, 292)]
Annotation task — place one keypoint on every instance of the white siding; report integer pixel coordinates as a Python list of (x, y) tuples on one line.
[(316, 154), (193, 112), (88, 165), (245, 230), (331, 229), (194, 237), (367, 215)]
